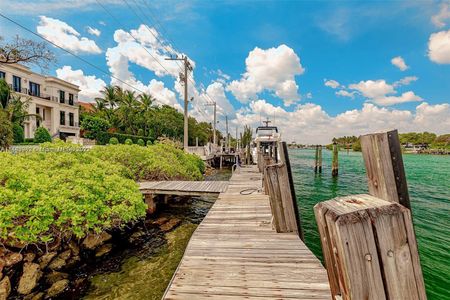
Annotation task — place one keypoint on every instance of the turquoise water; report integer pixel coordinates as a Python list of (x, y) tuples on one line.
[(428, 179)]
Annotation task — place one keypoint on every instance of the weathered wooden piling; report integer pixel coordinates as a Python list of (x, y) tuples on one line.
[(316, 159), (320, 159), (280, 187), (369, 248), (335, 162), (368, 241), (384, 165)]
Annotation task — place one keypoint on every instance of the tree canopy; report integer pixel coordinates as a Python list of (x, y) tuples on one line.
[(129, 113)]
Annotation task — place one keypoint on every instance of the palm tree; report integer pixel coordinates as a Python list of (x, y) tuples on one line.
[(15, 106)]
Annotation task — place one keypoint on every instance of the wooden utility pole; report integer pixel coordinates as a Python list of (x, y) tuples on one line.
[(184, 78), (215, 122), (228, 135)]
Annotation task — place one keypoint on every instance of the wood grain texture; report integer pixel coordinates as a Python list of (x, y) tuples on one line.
[(235, 253), (183, 188), (384, 165), (370, 248)]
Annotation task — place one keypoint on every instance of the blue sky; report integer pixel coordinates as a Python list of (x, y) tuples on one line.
[(261, 59)]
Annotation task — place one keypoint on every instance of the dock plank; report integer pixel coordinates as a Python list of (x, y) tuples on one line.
[(236, 254)]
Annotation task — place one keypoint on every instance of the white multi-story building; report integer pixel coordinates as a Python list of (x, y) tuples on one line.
[(55, 100)]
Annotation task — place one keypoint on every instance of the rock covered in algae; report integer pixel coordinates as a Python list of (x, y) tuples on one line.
[(29, 279)]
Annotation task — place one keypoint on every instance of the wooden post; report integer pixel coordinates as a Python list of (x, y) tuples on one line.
[(196, 142), (320, 159), (335, 163), (384, 166), (151, 204), (316, 160), (221, 159), (284, 157), (370, 249)]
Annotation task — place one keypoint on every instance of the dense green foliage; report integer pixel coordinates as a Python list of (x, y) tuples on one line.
[(441, 142), (157, 162), (128, 142), (416, 138), (141, 142), (92, 125), (41, 135), (18, 133), (58, 194), (45, 195), (13, 111), (6, 132), (137, 115), (113, 141), (103, 138)]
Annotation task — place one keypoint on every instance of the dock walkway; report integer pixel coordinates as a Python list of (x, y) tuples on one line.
[(235, 253), (183, 188)]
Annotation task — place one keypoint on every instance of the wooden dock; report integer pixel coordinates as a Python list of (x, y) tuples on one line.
[(183, 188), (235, 253)]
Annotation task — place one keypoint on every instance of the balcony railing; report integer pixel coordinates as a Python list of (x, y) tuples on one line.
[(18, 90), (43, 96)]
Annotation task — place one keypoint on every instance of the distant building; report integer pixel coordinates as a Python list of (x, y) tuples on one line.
[(55, 100)]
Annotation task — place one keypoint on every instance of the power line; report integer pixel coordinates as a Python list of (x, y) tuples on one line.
[(151, 32), (122, 25), (73, 54), (161, 29)]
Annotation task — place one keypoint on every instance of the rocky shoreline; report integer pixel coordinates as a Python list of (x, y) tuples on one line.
[(61, 270)]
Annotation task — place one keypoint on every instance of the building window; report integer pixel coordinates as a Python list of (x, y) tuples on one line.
[(71, 99), (62, 118), (35, 89), (71, 119), (17, 84), (38, 120), (2, 75), (62, 97)]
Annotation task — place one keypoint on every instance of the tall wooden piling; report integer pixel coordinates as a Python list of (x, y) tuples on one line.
[(368, 241), (384, 165), (280, 187), (320, 159), (335, 162), (316, 159)]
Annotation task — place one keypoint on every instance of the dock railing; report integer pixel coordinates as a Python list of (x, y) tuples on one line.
[(368, 241)]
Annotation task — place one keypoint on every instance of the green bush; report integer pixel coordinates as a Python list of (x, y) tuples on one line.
[(59, 144), (6, 131), (93, 125), (104, 137), (18, 134), (41, 135), (140, 132), (113, 141), (128, 142), (49, 195), (149, 143), (140, 142), (157, 162)]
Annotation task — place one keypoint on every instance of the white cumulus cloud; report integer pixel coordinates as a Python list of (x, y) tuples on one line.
[(439, 20), (439, 47), (399, 62), (391, 100), (272, 69), (332, 83), (90, 86), (93, 31), (373, 88), (345, 93), (310, 124), (65, 36), (405, 81)]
